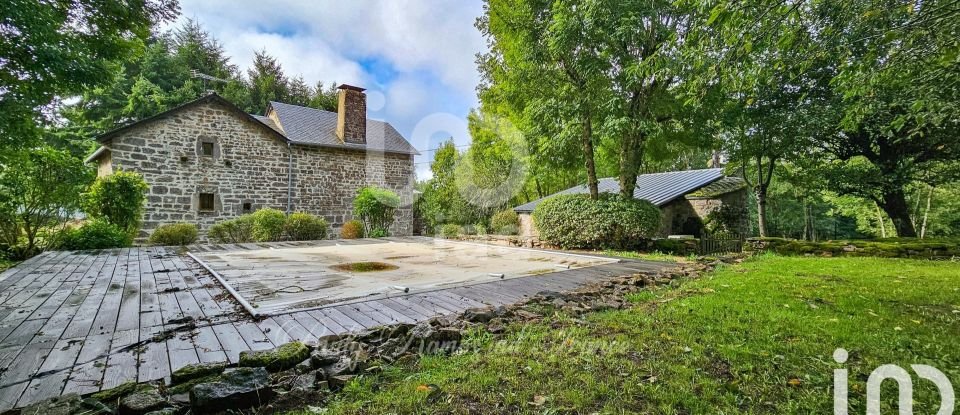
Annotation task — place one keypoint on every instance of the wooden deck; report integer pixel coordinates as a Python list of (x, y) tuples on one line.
[(83, 322)]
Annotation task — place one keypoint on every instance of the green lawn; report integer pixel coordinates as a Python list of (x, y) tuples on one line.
[(752, 338)]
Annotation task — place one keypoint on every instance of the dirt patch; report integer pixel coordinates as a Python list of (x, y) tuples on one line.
[(364, 267)]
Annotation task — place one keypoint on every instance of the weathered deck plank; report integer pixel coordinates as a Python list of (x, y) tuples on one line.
[(81, 322)]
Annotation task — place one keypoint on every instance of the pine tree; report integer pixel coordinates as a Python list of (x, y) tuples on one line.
[(267, 82)]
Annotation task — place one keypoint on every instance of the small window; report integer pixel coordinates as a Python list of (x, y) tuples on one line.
[(206, 201), (247, 207), (206, 149)]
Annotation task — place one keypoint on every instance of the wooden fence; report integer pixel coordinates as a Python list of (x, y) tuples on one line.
[(709, 244)]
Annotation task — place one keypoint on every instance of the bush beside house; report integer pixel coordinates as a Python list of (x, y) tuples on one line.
[(352, 230), (375, 207), (269, 225), (174, 234), (576, 221), (119, 199), (301, 226), (232, 231)]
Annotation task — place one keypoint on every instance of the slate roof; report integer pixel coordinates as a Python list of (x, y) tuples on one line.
[(301, 125), (658, 188), (309, 126)]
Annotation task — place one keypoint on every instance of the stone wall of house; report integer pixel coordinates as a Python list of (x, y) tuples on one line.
[(327, 180), (528, 232), (248, 170)]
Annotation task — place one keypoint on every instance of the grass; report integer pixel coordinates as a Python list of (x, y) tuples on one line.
[(650, 256), (750, 338)]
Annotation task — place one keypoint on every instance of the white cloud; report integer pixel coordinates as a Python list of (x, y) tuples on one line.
[(433, 36), (427, 46)]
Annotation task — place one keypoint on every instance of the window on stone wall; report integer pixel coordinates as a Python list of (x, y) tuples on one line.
[(206, 149), (247, 207), (206, 202)]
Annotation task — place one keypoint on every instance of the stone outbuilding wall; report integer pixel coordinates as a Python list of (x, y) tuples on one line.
[(688, 215), (248, 169)]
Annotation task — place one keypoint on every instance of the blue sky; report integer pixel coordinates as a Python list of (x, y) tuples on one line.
[(416, 58)]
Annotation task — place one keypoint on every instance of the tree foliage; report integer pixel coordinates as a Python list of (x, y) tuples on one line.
[(880, 76), (59, 48), (39, 192)]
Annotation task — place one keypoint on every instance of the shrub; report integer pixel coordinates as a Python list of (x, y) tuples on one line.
[(375, 207), (233, 231), (95, 234), (451, 230), (480, 229), (576, 221), (352, 230), (119, 199), (301, 226), (174, 234), (268, 225), (506, 222)]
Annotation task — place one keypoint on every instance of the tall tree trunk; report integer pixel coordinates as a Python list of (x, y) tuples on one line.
[(631, 152), (926, 213), (806, 221), (587, 141), (762, 210), (764, 177), (883, 225), (895, 205)]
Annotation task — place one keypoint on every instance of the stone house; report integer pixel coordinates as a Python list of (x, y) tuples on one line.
[(688, 200), (207, 161)]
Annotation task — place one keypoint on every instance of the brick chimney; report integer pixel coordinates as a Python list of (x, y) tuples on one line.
[(352, 114)]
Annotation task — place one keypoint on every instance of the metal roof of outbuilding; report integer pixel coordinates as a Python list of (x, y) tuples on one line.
[(657, 188)]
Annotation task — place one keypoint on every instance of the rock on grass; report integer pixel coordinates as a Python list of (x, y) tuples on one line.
[(112, 396), (196, 371), (139, 403), (282, 358), (237, 389)]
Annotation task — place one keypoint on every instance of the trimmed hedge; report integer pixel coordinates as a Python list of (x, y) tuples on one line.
[(506, 222), (302, 226), (174, 234), (887, 248), (95, 234), (232, 231), (610, 222), (268, 224)]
